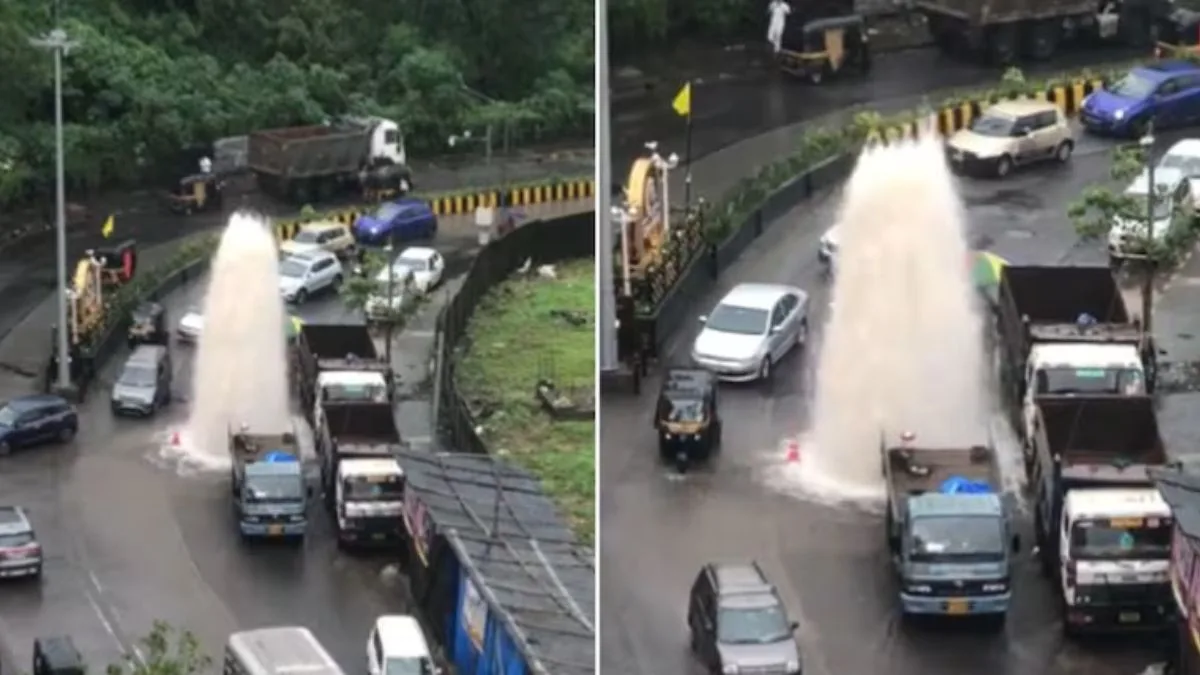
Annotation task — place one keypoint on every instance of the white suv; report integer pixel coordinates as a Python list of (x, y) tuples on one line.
[(305, 273), (397, 647)]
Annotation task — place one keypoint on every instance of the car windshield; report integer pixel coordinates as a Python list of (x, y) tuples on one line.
[(306, 237), (406, 666), (273, 489), (1121, 539), (741, 320), (8, 415), (387, 212), (1162, 206), (1134, 85), (939, 539), (373, 488), (15, 540), (752, 625), (292, 268), (137, 375), (413, 263), (1189, 165), (685, 410), (996, 126), (1124, 381)]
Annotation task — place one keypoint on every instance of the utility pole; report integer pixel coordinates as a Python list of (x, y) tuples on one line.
[(606, 333), (57, 42), (1147, 144), (392, 311)]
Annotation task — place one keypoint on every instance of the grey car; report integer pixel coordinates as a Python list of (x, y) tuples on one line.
[(738, 622), (750, 330), (20, 552), (144, 384)]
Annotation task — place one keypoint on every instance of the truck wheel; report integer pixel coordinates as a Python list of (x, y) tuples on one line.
[(1002, 45), (1040, 40)]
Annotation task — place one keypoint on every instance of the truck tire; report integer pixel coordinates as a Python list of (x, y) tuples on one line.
[(1040, 40), (1002, 42)]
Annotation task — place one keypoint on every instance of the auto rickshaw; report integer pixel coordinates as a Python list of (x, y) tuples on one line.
[(118, 263), (148, 325), (688, 424), (824, 47), (56, 656), (195, 193)]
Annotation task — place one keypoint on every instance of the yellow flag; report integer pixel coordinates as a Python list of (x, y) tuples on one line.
[(107, 228), (683, 101)]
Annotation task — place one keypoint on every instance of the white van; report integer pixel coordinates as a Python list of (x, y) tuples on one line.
[(397, 647), (283, 650)]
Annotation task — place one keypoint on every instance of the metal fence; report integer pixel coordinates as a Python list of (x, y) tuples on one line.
[(540, 242)]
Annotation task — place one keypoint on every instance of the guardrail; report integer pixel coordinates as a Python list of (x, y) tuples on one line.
[(541, 242)]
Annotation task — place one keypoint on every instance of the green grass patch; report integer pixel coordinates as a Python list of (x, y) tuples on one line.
[(515, 339)]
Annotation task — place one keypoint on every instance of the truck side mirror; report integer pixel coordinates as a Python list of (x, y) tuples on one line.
[(1016, 543)]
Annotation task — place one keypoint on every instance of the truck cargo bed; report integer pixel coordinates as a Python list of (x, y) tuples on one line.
[(1058, 295), (1102, 438), (338, 342), (307, 152), (986, 12), (362, 428), (919, 470)]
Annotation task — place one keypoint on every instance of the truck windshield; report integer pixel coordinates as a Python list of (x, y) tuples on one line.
[(1121, 539), (273, 490), (373, 488), (938, 539), (1124, 381), (354, 392), (411, 665)]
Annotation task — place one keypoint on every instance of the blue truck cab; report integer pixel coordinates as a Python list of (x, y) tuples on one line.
[(270, 495), (950, 531)]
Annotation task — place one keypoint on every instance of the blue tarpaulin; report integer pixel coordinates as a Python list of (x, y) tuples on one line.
[(279, 457), (957, 485)]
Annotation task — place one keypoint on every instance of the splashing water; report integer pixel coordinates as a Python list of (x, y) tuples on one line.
[(903, 349), (241, 365)]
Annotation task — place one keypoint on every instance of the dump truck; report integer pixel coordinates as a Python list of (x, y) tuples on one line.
[(267, 481), (1005, 31), (311, 164), (1092, 490), (949, 530), (1066, 330), (360, 476), (339, 362)]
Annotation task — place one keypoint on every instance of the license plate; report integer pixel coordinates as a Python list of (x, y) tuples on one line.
[(274, 529), (1129, 617), (956, 607)]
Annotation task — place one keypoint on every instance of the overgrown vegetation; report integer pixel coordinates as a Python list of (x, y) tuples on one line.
[(150, 82), (165, 651), (517, 336)]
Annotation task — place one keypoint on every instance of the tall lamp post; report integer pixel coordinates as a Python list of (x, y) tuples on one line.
[(57, 42), (606, 215)]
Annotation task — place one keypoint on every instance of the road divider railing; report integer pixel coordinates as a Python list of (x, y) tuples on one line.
[(464, 202), (706, 242)]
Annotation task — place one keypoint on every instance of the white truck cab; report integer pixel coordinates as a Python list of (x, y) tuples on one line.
[(387, 143), (369, 497), (1086, 369)]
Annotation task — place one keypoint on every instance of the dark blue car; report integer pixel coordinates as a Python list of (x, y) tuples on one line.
[(1167, 93), (30, 420), (399, 221)]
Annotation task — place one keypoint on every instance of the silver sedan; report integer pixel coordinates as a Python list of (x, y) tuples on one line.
[(750, 330)]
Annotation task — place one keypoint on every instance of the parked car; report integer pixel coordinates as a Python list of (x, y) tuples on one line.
[(330, 236), (1167, 93), (398, 221), (304, 274), (751, 329), (396, 289), (1011, 134), (20, 552), (738, 622), (427, 265), (36, 419), (191, 324), (1174, 208), (1183, 157), (397, 646)]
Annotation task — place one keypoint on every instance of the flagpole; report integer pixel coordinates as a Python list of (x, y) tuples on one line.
[(687, 153)]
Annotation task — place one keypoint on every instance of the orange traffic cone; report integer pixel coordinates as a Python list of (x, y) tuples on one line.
[(793, 450), (175, 439)]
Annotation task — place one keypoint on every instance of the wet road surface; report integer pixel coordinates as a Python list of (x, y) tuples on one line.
[(730, 110), (130, 538), (829, 562)]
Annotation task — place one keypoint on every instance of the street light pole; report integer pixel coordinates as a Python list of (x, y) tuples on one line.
[(1147, 144), (392, 311), (56, 41), (606, 333)]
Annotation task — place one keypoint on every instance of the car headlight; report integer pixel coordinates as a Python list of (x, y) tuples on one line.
[(792, 667), (730, 669), (995, 588), (1119, 115), (919, 588)]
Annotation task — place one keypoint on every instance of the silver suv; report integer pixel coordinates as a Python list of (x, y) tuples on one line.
[(1012, 134), (20, 552), (739, 624)]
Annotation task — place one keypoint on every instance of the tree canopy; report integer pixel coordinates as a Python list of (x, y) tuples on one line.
[(150, 79)]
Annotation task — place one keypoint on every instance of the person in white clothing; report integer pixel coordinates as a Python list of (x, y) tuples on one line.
[(778, 12), (205, 165)]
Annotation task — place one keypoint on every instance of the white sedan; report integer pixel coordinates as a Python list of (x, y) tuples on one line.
[(427, 265), (1183, 157), (191, 326)]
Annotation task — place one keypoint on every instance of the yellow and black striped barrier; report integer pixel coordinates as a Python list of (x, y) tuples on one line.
[(465, 203), (1068, 97)]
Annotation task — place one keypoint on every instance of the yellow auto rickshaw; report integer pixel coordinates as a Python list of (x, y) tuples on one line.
[(824, 47), (195, 193)]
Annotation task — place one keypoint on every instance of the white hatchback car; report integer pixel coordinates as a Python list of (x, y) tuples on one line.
[(427, 265), (397, 646), (309, 272), (751, 329)]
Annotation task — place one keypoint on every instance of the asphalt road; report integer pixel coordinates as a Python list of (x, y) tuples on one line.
[(736, 104), (830, 563), (131, 538)]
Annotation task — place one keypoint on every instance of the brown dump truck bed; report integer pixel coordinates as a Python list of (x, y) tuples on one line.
[(362, 428), (307, 152), (1095, 436), (986, 12)]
